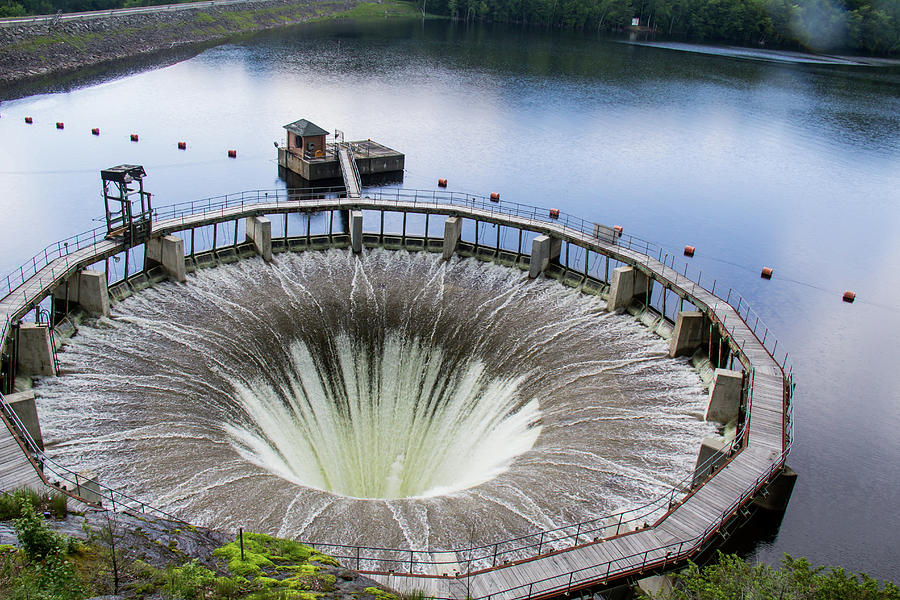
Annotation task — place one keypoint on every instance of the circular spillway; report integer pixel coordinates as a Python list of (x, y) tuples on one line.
[(389, 399)]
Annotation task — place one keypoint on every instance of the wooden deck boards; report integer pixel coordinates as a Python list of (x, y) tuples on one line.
[(15, 469)]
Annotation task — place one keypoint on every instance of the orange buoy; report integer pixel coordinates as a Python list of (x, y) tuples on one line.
[(60, 125), (554, 213), (766, 273), (232, 154), (29, 120), (689, 251), (134, 137), (618, 229), (95, 131), (849, 296), (442, 183), (182, 145), (495, 197)]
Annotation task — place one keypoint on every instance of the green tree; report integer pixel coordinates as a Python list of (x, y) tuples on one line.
[(732, 578)]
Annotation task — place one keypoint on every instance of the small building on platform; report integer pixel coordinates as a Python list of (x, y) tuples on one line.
[(306, 139), (308, 154)]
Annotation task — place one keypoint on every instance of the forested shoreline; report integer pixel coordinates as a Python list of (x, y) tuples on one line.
[(859, 26)]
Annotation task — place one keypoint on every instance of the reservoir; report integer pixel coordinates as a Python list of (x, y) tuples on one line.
[(755, 160)]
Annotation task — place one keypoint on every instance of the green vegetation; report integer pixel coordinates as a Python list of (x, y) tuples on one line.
[(389, 8), (11, 503), (824, 25), (732, 578), (49, 566), (41, 569), (380, 594)]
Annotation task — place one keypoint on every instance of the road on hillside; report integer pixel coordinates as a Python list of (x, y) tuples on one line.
[(100, 14)]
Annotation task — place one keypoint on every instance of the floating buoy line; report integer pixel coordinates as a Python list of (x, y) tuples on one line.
[(848, 296)]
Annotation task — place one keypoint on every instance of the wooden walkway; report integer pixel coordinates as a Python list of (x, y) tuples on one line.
[(350, 173), (679, 534), (16, 470)]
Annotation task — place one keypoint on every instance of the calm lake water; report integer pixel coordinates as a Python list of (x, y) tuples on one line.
[(756, 162)]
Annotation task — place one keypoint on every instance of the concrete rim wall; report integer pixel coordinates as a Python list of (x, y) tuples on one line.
[(709, 305)]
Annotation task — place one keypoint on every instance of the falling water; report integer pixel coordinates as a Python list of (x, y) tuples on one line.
[(387, 398)]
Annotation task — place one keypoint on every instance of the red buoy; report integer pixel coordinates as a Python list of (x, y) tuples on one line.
[(495, 197), (442, 183), (29, 120), (232, 154), (766, 273), (134, 137), (95, 131), (182, 145), (60, 125), (554, 213), (618, 229), (849, 296), (689, 251)]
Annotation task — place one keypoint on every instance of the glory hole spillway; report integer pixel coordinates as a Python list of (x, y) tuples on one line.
[(386, 398)]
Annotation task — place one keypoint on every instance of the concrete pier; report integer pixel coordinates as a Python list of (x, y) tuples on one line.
[(34, 354), (657, 586), (259, 231), (447, 563), (23, 405), (725, 396), (452, 231), (704, 466), (86, 290), (688, 333), (778, 493), (88, 487), (167, 251), (356, 223), (625, 284), (543, 250)]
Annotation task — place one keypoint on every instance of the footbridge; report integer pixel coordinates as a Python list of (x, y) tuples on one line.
[(349, 171), (728, 342)]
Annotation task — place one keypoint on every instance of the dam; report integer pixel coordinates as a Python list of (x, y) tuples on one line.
[(626, 273)]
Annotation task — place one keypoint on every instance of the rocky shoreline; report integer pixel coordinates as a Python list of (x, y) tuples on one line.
[(32, 50), (157, 559)]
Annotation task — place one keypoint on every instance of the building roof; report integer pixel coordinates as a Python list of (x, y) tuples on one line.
[(304, 128), (123, 173)]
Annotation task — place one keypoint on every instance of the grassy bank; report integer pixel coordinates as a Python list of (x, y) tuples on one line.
[(381, 10), (137, 557), (32, 50)]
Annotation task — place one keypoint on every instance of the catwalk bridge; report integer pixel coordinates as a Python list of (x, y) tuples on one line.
[(720, 332)]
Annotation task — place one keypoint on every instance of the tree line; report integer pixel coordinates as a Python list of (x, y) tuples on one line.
[(868, 26)]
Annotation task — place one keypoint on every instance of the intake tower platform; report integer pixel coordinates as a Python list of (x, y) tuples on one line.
[(307, 154)]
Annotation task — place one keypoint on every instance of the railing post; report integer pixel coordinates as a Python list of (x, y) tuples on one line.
[(540, 542)]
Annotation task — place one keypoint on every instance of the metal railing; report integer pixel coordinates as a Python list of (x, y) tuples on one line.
[(478, 557), (78, 485)]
